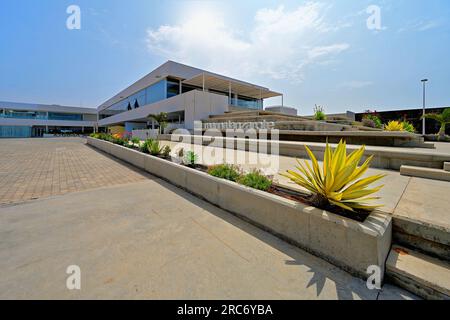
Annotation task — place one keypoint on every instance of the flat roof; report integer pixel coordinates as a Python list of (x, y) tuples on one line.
[(169, 69), (45, 107), (222, 83)]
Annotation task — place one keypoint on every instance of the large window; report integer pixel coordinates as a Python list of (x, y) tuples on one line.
[(24, 114), (158, 91), (173, 88), (65, 116)]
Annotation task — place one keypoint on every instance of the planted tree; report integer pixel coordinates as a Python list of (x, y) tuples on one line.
[(161, 119), (443, 119)]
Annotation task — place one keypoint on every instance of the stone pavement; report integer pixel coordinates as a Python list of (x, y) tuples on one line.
[(38, 168)]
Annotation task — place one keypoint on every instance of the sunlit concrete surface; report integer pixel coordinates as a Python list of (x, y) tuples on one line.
[(148, 239), (151, 240)]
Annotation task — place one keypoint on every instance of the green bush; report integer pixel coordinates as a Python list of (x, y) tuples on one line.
[(225, 171), (319, 113), (190, 159), (255, 180), (372, 121), (135, 140)]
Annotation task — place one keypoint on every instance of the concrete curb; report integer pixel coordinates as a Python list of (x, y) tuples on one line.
[(351, 245)]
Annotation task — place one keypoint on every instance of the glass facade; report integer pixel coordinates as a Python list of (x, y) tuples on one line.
[(15, 132), (38, 115), (13, 114), (156, 92), (168, 88), (248, 103), (65, 116)]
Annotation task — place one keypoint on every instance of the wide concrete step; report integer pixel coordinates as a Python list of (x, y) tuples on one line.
[(427, 277), (427, 173), (447, 166)]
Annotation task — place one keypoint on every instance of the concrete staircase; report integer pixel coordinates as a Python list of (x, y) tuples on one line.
[(419, 260), (419, 273), (427, 173)]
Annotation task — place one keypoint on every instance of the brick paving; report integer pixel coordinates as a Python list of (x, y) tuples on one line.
[(38, 168)]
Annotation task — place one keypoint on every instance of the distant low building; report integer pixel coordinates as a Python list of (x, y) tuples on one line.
[(413, 116), (283, 110), (25, 120)]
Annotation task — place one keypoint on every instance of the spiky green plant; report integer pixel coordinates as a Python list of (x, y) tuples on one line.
[(408, 127), (338, 182), (154, 148), (190, 159)]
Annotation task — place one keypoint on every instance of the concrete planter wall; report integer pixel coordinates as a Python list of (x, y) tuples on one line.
[(383, 158), (348, 244)]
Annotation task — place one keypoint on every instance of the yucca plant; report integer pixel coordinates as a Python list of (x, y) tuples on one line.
[(394, 126), (338, 182), (154, 148)]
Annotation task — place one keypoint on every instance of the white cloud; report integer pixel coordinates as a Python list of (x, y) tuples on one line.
[(280, 43)]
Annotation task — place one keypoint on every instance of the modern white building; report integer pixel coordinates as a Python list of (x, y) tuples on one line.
[(24, 120), (185, 93)]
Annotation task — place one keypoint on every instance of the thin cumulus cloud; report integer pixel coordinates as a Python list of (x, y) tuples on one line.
[(280, 44)]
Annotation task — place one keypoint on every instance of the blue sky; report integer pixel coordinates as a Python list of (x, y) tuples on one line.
[(316, 52)]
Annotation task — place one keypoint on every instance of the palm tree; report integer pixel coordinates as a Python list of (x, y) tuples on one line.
[(443, 118), (161, 118)]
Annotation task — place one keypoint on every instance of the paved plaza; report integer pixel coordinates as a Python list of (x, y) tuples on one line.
[(136, 236), (38, 168)]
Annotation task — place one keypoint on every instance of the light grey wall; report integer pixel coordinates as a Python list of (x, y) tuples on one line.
[(196, 104)]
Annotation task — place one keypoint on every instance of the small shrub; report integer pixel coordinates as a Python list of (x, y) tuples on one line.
[(393, 126), (255, 180), (190, 159), (225, 171), (372, 121), (154, 148), (319, 113), (135, 140), (166, 152), (368, 123)]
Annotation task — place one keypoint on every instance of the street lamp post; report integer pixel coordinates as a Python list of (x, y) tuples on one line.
[(424, 81)]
